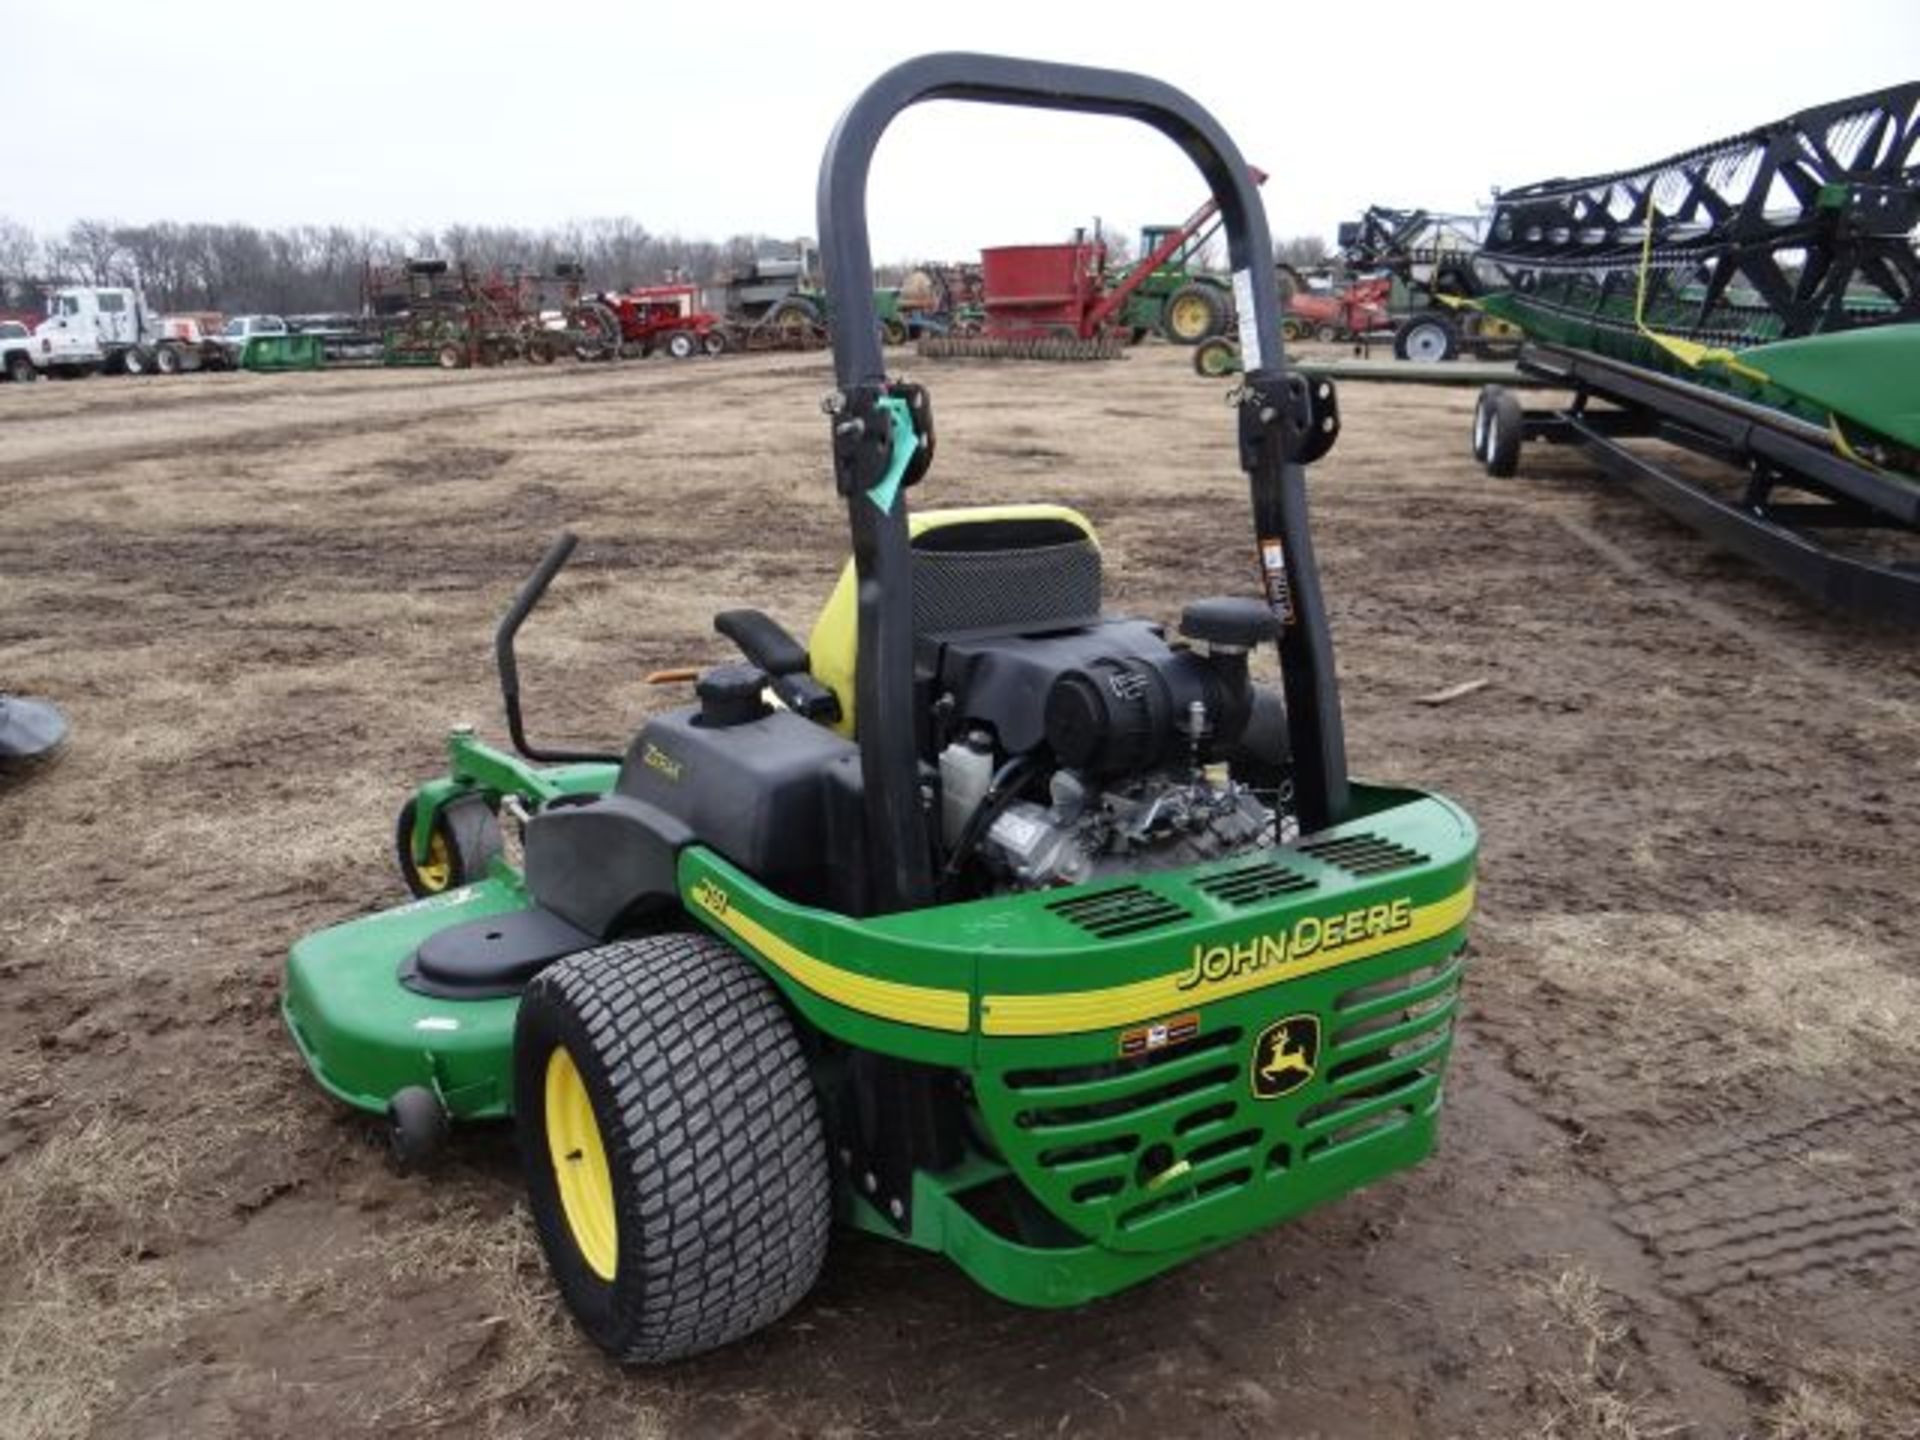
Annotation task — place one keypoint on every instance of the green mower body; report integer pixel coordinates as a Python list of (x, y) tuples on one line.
[(1115, 1039)]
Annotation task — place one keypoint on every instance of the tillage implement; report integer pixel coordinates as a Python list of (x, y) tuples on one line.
[(985, 921)]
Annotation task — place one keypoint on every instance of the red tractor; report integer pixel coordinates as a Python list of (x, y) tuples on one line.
[(648, 318)]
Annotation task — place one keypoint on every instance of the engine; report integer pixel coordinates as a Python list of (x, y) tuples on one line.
[(1105, 749)]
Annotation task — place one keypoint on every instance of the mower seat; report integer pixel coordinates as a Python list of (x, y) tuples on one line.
[(1008, 568)]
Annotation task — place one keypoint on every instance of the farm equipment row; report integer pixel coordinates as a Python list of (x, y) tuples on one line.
[(1065, 302)]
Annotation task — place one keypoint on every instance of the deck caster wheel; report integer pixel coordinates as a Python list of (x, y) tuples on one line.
[(463, 843), (417, 1128), (1499, 425), (672, 1144)]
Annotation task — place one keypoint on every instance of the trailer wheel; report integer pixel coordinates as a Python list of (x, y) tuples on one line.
[(1499, 425), (1426, 338), (682, 346), (714, 342), (1193, 313), (672, 1145), (463, 843), (21, 369)]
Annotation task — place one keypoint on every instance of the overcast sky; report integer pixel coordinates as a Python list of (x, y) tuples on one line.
[(708, 119)]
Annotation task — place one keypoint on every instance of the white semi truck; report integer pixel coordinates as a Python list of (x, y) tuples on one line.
[(89, 329), (16, 352)]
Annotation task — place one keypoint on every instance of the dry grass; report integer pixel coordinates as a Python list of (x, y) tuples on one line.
[(1777, 995), (1597, 1397), (1822, 1392), (76, 1215)]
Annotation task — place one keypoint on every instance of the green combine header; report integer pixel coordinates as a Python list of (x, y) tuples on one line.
[(1756, 301)]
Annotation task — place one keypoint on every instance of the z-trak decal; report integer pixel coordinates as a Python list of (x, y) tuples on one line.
[(1217, 972), (887, 999)]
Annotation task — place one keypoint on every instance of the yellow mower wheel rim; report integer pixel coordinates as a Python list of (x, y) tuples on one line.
[(436, 871), (1188, 316), (580, 1166)]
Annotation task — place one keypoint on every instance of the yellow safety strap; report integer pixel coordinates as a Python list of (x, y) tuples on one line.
[(1690, 353)]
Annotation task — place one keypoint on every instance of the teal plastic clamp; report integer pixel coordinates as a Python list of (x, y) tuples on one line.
[(906, 445)]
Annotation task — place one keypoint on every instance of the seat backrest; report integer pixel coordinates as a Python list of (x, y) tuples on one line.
[(983, 568)]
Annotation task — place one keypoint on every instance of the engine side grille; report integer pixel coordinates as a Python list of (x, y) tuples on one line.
[(1364, 855), (1106, 1130), (1125, 910), (1255, 883), (1385, 1059)]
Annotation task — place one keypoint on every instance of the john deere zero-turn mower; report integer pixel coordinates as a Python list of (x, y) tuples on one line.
[(985, 921)]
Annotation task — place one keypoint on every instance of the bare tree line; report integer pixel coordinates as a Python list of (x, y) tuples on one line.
[(307, 269)]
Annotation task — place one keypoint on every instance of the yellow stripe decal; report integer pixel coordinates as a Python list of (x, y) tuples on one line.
[(1082, 1010), (888, 999)]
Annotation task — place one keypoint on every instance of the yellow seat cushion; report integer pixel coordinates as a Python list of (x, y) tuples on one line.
[(833, 647)]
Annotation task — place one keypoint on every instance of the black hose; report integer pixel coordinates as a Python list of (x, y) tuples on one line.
[(1001, 790)]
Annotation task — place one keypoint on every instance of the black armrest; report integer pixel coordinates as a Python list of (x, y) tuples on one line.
[(763, 640)]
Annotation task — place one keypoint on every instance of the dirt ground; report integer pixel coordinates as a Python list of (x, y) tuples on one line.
[(1676, 1189)]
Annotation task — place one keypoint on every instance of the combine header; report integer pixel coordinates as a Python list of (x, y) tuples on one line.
[(1756, 301)]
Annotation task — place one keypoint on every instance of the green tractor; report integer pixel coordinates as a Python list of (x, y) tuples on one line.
[(1176, 299), (985, 921)]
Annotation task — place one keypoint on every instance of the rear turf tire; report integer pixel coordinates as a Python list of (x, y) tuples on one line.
[(708, 1219)]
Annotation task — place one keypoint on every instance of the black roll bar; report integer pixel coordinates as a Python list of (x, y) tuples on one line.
[(897, 834)]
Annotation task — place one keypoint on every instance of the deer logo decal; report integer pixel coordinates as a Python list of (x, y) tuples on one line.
[(1285, 1056)]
